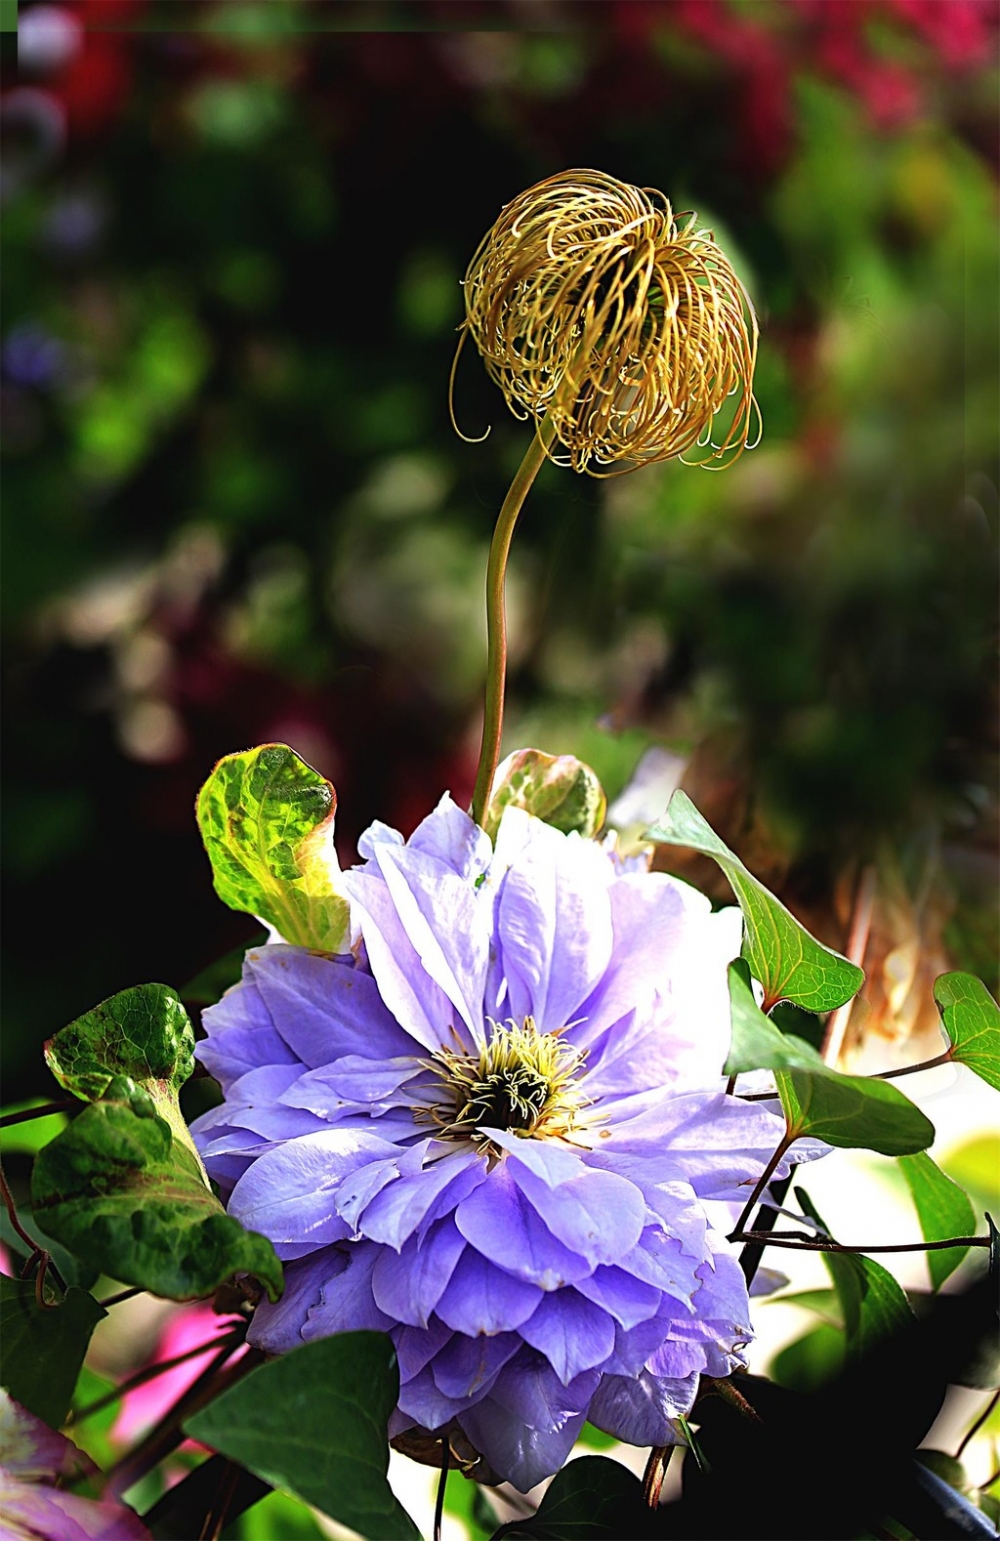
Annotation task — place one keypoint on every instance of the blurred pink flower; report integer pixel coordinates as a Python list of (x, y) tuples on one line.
[(185, 1330)]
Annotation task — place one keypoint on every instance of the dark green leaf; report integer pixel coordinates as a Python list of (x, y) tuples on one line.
[(810, 1362), (557, 788), (873, 1304), (143, 1034), (790, 964), (42, 1348), (71, 1270), (855, 1112), (972, 1022), (314, 1422), (591, 1499), (943, 1210), (126, 1194), (266, 818), (756, 1043)]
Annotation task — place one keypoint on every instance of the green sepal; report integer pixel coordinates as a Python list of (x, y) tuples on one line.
[(788, 961), (873, 1303), (852, 1112), (125, 1194), (267, 820), (42, 1348), (757, 1044), (972, 1021), (314, 1422), (942, 1209), (559, 789)]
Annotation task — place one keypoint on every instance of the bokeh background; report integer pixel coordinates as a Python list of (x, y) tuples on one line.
[(235, 510)]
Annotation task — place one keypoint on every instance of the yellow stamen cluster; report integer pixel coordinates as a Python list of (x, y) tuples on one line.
[(521, 1080), (595, 309)]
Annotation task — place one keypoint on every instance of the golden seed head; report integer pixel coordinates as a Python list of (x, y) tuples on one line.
[(625, 328)]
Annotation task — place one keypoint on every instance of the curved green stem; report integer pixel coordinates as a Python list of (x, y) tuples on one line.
[(496, 618)]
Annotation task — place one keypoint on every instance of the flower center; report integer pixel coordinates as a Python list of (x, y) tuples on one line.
[(523, 1081)]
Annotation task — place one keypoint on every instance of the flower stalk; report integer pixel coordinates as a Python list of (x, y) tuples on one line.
[(496, 618)]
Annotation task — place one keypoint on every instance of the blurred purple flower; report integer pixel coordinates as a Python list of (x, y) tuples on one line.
[(490, 1133), (33, 1459)]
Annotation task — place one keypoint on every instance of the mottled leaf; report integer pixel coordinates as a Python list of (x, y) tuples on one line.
[(267, 818), (942, 1209), (854, 1112), (874, 1305), (314, 1422), (123, 1192), (756, 1043), (972, 1022), (591, 1499), (790, 964), (42, 1347), (143, 1034), (559, 789)]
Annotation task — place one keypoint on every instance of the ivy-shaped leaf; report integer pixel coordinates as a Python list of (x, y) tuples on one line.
[(942, 1209), (42, 1347), (853, 1112), (591, 1499), (143, 1034), (874, 1305), (972, 1022), (757, 1044), (790, 964), (267, 818), (559, 789), (125, 1193), (314, 1422)]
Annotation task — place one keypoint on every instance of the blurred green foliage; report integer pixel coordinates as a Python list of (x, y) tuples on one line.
[(236, 511)]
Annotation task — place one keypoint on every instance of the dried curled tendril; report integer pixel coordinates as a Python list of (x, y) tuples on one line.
[(625, 327)]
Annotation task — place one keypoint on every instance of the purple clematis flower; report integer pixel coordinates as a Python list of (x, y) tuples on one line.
[(33, 1459), (490, 1132)]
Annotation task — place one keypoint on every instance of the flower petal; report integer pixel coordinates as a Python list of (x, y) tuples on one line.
[(399, 1209), (628, 1299), (502, 1224), (408, 1284), (467, 1367), (277, 1327), (596, 1214), (323, 1007), (640, 1410), (553, 923), (572, 1333), (481, 1298), (291, 1192), (347, 1303)]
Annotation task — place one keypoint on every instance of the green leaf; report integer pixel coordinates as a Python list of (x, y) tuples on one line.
[(852, 1112), (874, 1305), (947, 1468), (314, 1422), (559, 789), (29, 1136), (266, 818), (823, 1303), (810, 1362), (756, 1043), (942, 1209), (42, 1348), (71, 1269), (591, 1499), (975, 1166), (790, 964), (972, 1022), (122, 1192), (142, 1034)]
